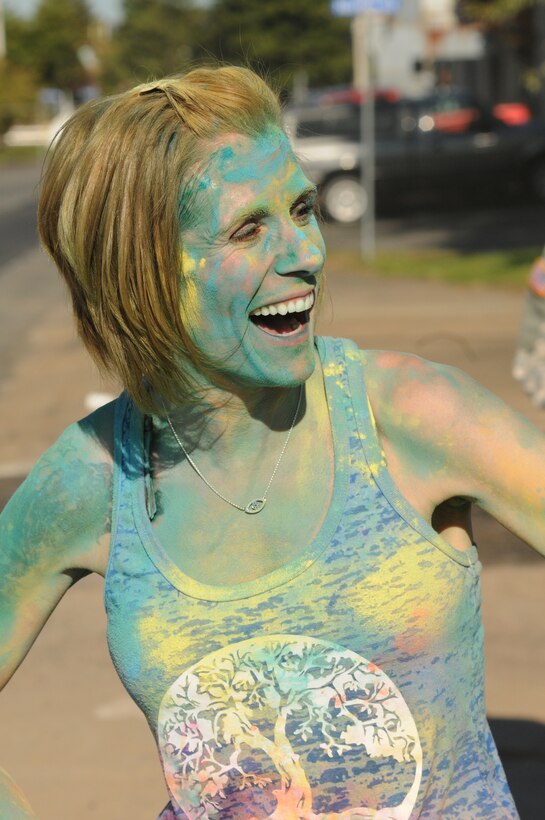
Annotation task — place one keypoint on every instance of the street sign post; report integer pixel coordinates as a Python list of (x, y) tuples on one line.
[(369, 10)]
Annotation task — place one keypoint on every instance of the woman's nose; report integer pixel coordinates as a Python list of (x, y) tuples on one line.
[(301, 252)]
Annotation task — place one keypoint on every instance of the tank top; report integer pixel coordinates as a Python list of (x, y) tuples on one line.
[(348, 683)]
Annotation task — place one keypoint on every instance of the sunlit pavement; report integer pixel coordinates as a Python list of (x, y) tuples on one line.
[(70, 734)]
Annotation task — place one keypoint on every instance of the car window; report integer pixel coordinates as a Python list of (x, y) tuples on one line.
[(343, 121), (329, 121)]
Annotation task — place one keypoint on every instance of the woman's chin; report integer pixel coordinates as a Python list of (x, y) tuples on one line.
[(292, 374)]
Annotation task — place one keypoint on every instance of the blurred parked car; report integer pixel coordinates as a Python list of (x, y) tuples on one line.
[(437, 143)]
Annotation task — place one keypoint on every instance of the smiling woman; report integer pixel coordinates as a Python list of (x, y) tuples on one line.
[(282, 520), (266, 254)]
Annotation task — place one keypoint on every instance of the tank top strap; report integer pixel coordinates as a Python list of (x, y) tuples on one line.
[(132, 460), (361, 406), (365, 436), (343, 366), (119, 471)]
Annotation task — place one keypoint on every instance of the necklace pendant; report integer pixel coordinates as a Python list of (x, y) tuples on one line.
[(255, 506)]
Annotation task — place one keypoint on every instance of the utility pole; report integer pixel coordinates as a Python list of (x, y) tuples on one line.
[(367, 139), (539, 52), (2, 32), (365, 13)]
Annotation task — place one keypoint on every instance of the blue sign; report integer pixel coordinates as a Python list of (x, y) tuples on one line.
[(350, 8)]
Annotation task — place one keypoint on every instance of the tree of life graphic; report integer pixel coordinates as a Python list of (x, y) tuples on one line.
[(245, 730)]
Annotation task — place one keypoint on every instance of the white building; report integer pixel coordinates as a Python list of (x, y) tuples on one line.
[(408, 46)]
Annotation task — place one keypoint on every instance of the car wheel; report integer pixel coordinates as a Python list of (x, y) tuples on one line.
[(537, 178), (344, 198)]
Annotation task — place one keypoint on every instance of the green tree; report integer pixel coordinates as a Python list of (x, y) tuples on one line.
[(18, 91), (19, 40), (283, 37), (493, 12), (520, 26), (59, 28), (156, 37), (18, 81)]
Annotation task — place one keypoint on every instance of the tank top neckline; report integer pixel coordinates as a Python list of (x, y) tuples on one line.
[(281, 575)]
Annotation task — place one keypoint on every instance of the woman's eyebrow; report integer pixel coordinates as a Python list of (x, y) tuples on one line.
[(309, 192), (261, 212), (247, 215)]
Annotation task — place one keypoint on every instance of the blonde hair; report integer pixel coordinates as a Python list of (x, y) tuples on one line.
[(111, 208)]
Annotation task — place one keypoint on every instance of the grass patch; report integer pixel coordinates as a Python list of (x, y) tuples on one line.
[(18, 155), (508, 267)]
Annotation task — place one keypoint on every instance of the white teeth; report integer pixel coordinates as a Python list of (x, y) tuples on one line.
[(283, 308)]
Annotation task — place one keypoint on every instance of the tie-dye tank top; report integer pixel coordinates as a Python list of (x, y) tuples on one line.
[(346, 684)]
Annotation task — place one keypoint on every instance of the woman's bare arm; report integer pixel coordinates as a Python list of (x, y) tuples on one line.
[(450, 436), (53, 531)]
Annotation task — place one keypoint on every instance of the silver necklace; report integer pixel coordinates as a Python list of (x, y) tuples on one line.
[(256, 504)]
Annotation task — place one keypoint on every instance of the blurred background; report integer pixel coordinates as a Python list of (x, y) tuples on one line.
[(457, 147)]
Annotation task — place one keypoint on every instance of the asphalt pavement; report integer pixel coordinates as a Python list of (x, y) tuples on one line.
[(70, 734)]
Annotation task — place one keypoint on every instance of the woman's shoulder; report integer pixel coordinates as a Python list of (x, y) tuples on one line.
[(68, 493), (388, 369), (401, 386), (87, 444), (410, 392)]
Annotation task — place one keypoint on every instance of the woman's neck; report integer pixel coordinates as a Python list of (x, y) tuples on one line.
[(230, 422)]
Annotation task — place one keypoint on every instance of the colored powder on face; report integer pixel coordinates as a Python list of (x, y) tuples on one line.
[(268, 144), (222, 276), (189, 307)]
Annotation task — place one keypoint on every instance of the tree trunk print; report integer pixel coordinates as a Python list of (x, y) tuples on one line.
[(295, 792)]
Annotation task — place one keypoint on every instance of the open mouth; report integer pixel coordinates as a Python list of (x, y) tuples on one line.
[(283, 318)]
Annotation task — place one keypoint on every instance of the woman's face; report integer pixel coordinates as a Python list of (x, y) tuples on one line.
[(252, 261)]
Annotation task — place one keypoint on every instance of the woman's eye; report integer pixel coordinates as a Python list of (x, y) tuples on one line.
[(248, 231), (304, 211)]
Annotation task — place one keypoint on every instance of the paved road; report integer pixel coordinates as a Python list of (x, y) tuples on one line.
[(71, 735), (17, 210), (21, 304)]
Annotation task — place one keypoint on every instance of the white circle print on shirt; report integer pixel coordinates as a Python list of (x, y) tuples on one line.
[(288, 726)]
